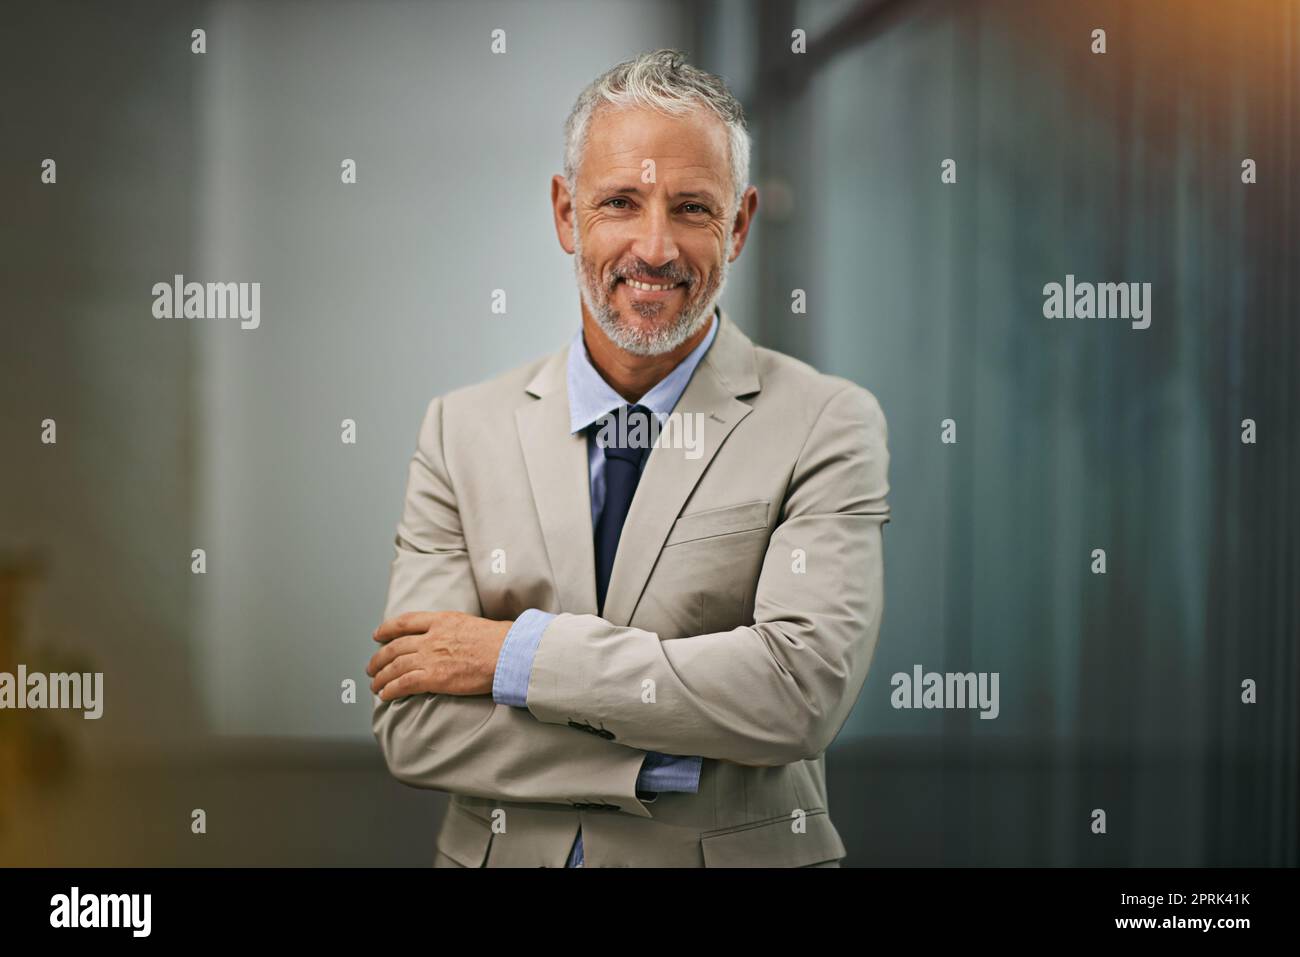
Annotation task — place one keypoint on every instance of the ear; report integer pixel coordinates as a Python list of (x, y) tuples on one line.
[(562, 207), (744, 219)]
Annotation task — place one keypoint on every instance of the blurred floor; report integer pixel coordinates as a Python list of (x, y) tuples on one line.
[(895, 803), (268, 803)]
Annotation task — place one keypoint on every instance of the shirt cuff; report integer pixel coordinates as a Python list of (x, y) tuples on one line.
[(669, 772), (515, 663)]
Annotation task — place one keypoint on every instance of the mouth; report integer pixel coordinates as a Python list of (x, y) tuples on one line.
[(641, 290)]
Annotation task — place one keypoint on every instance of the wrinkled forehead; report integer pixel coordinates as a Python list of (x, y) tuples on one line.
[(644, 142)]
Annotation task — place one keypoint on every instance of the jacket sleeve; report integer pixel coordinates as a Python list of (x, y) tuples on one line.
[(660, 772), (466, 744), (776, 691)]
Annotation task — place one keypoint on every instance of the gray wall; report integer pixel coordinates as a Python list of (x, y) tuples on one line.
[(110, 508), (376, 296)]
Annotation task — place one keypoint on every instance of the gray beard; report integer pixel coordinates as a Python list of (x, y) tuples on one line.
[(645, 342)]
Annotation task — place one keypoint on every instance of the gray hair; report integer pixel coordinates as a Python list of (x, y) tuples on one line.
[(664, 81)]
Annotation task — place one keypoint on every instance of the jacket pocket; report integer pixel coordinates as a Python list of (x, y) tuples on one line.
[(464, 837), (774, 843), (718, 521)]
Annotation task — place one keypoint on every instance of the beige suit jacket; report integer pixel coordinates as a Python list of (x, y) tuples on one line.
[(743, 610)]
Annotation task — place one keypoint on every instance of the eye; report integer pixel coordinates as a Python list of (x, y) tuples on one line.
[(694, 208), (616, 199)]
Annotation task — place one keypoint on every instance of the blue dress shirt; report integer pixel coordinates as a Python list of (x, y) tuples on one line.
[(591, 397)]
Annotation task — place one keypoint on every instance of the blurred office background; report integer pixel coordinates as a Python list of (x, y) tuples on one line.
[(1119, 691)]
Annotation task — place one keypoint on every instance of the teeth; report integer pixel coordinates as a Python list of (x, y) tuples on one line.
[(646, 287)]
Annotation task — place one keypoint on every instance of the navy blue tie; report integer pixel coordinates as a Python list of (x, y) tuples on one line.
[(625, 436)]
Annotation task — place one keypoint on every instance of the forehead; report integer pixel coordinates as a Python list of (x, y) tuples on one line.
[(620, 140)]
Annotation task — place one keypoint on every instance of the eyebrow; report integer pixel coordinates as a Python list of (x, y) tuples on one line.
[(615, 190)]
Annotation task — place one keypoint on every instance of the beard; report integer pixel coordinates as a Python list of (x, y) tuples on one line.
[(648, 338)]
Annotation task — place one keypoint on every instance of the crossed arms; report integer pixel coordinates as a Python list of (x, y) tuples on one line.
[(766, 694)]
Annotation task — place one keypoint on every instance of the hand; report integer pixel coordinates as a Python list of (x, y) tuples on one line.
[(436, 652)]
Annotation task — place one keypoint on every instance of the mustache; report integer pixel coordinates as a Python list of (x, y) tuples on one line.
[(669, 272)]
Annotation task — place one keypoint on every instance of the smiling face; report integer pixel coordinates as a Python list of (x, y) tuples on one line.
[(652, 257)]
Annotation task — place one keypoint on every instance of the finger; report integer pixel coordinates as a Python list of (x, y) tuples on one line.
[(398, 646), (398, 666), (403, 685), (408, 623)]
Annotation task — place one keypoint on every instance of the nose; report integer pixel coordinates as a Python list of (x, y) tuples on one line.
[(654, 243)]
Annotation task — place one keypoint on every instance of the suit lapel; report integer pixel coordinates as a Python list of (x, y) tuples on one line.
[(726, 371), (560, 480), (561, 484)]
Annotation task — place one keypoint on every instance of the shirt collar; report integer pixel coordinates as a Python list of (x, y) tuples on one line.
[(591, 397)]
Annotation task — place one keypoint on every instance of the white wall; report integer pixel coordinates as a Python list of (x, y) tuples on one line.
[(375, 297)]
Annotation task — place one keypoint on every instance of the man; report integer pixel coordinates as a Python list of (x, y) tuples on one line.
[(638, 583)]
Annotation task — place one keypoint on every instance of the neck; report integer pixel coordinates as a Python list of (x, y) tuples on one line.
[(632, 376)]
